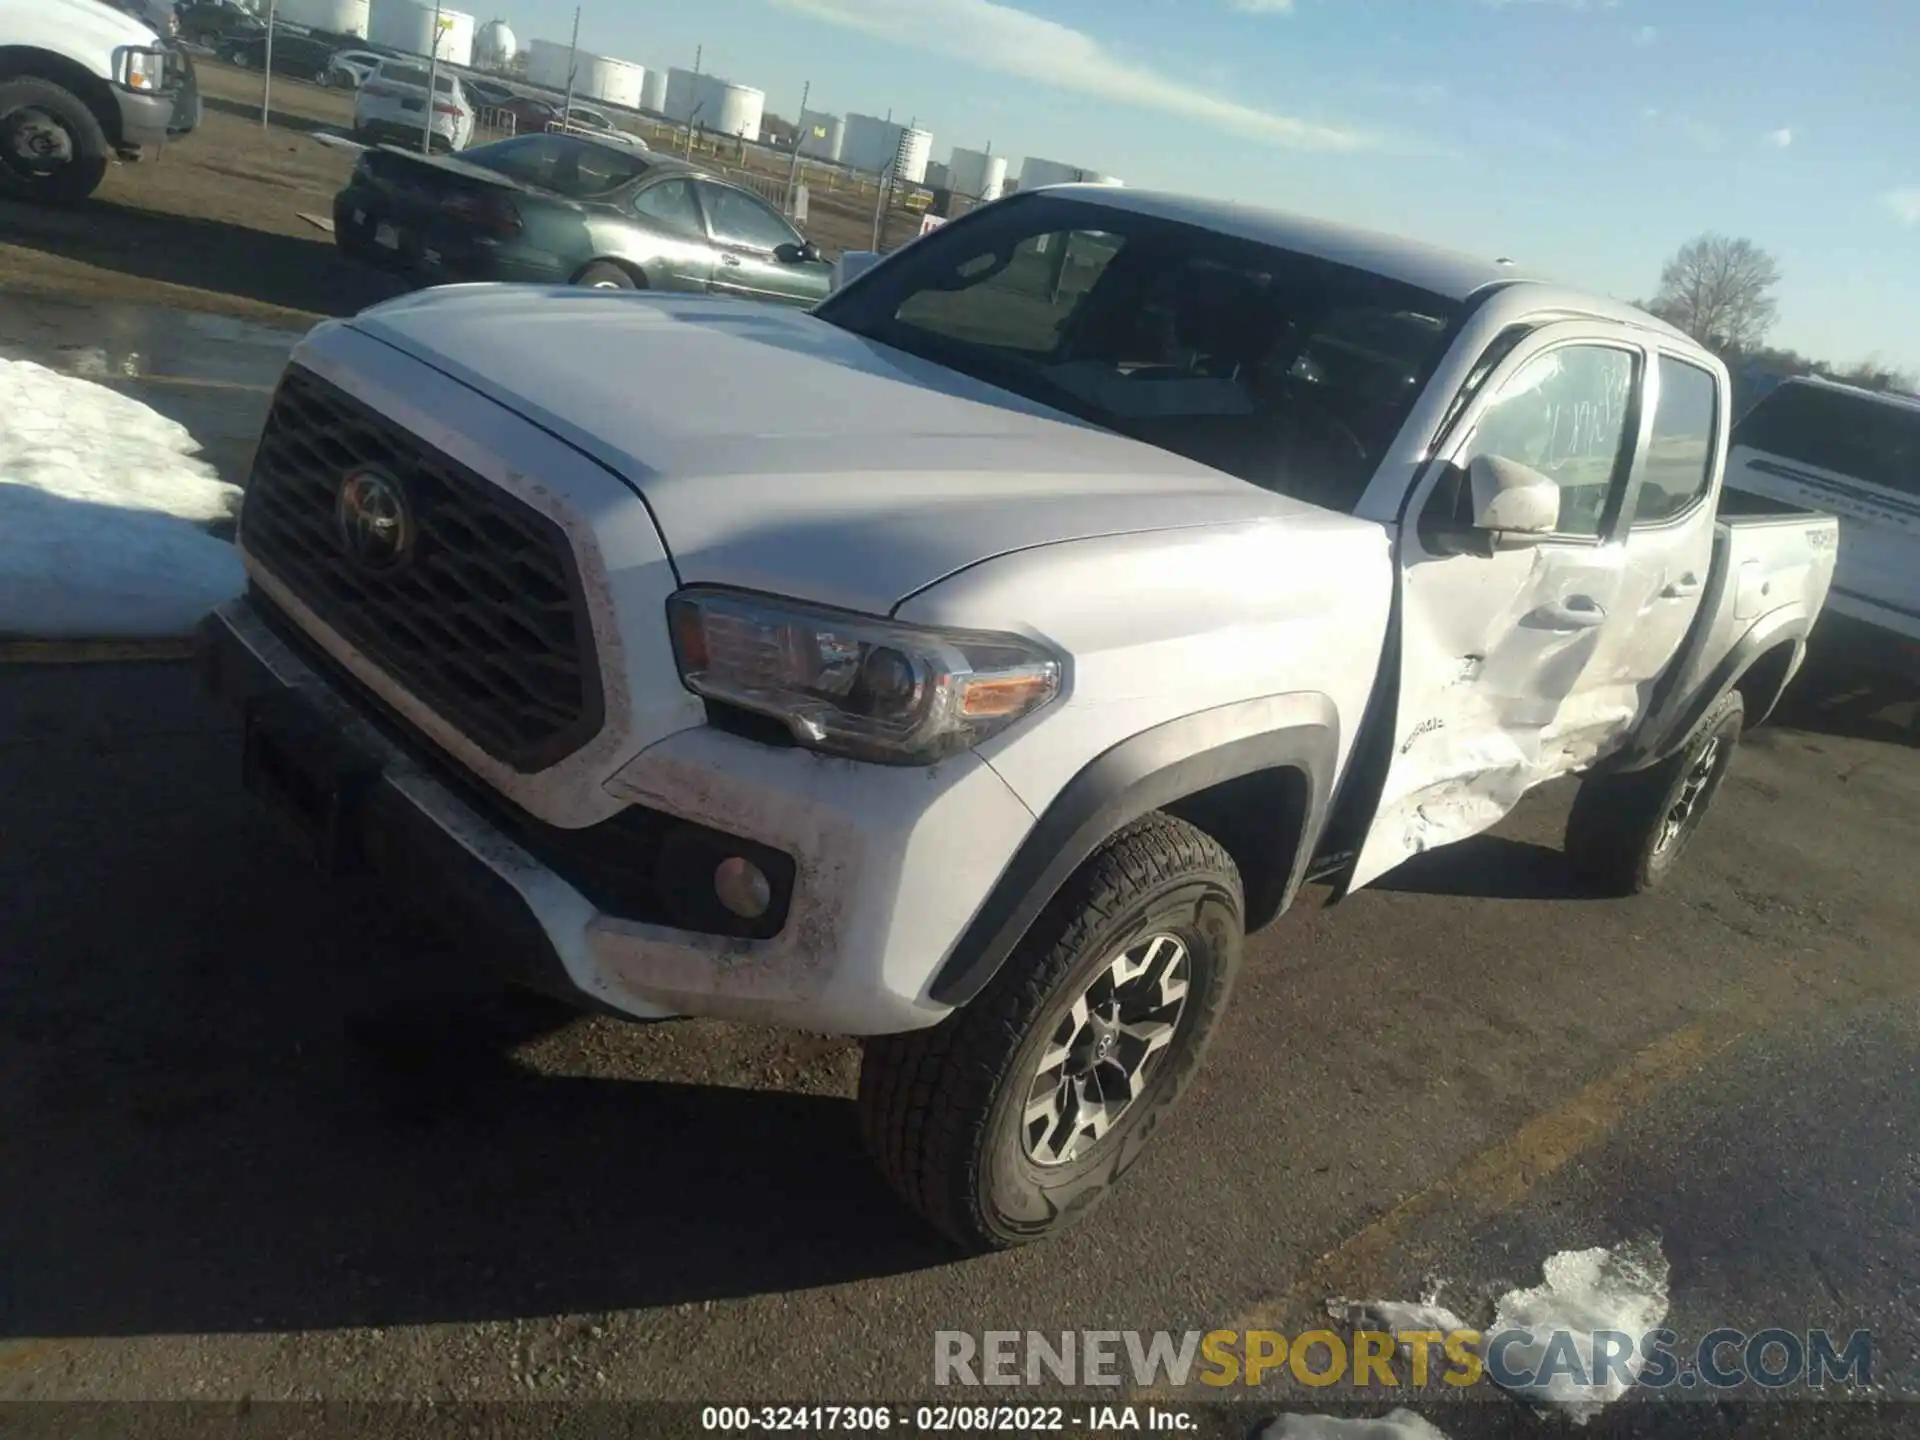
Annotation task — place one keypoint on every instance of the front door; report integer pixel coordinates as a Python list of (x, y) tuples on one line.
[(1497, 687), (746, 234)]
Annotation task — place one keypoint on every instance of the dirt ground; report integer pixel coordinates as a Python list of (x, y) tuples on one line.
[(217, 221)]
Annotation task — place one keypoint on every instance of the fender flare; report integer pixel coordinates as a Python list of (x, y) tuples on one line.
[(1669, 729), (1142, 774)]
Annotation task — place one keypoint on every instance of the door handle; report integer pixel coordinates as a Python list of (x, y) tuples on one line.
[(729, 259), (1688, 584), (1576, 612)]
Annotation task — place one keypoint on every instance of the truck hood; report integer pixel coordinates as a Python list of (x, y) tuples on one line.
[(777, 452)]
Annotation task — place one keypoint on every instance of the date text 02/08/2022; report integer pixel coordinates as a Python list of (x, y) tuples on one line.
[(943, 1419)]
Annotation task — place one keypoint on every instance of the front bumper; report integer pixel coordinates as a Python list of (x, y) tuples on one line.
[(147, 121), (889, 863)]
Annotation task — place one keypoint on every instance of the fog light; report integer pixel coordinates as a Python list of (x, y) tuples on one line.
[(742, 887)]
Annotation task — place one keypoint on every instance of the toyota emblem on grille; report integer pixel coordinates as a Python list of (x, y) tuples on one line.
[(376, 523)]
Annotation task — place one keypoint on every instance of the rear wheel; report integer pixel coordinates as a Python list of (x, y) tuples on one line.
[(603, 275), (1628, 831), (1020, 1111), (52, 147)]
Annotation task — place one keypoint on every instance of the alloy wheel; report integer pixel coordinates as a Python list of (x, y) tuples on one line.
[(1101, 1056)]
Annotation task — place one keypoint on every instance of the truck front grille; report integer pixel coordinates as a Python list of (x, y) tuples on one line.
[(484, 619)]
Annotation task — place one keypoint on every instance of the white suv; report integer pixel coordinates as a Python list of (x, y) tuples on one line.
[(392, 106)]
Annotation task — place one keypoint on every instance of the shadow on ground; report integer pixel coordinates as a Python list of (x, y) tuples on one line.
[(214, 255), (250, 110), (1490, 867), (1852, 705), (235, 1096)]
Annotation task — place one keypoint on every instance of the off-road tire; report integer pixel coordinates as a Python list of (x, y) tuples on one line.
[(940, 1109), (1615, 830), (604, 275), (81, 175)]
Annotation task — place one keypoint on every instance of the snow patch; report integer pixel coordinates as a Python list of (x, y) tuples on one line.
[(1395, 1425), (1621, 1290), (102, 504)]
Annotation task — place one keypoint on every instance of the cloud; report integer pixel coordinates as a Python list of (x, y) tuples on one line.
[(1262, 7), (1780, 139), (1904, 203), (1013, 42)]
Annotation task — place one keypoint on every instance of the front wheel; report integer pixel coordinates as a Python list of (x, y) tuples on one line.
[(52, 147), (1021, 1110), (1627, 831)]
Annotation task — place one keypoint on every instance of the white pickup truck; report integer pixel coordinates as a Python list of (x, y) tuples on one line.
[(969, 663), (82, 82)]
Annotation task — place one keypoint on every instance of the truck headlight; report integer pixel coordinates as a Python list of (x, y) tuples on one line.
[(854, 685), (143, 70)]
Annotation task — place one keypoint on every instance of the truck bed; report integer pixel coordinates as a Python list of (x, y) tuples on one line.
[(1772, 563)]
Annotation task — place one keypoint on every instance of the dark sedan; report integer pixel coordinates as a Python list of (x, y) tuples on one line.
[(570, 209), (298, 55)]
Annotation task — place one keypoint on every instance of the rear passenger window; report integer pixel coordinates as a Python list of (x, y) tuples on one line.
[(1680, 458)]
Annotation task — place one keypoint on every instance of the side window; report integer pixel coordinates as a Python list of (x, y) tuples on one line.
[(528, 158), (670, 205), (1680, 459), (740, 219), (1565, 415), (1020, 299)]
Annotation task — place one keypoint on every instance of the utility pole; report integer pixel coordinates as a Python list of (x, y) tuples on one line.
[(573, 68), (793, 170), (694, 103), (266, 83), (433, 85)]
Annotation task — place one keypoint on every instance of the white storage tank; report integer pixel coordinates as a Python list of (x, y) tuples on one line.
[(734, 110), (1035, 172), (495, 46), (408, 26), (871, 143), (911, 156), (683, 94), (822, 136), (336, 17), (547, 64), (976, 174), (617, 82), (653, 92)]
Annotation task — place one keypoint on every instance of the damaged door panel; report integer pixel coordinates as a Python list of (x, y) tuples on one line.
[(1501, 628)]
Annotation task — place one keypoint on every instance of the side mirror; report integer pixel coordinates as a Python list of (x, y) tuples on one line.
[(851, 265), (1512, 503), (804, 253), (1495, 504)]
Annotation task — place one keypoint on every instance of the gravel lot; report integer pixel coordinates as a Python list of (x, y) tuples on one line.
[(215, 223)]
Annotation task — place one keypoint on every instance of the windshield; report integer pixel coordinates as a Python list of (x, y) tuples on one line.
[(408, 75), (1854, 435), (1288, 371)]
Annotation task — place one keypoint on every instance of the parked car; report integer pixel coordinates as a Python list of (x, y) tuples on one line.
[(571, 209), (531, 114), (83, 83), (208, 22), (300, 56), (392, 106), (969, 663), (490, 93), (349, 69), (1857, 453)]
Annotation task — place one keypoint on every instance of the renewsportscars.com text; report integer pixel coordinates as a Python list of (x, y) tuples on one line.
[(1383, 1359)]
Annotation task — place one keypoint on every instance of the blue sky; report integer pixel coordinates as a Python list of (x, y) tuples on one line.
[(1587, 138)]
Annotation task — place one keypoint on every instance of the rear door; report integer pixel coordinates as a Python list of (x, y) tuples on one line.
[(671, 243), (1667, 531), (746, 232), (1498, 687)]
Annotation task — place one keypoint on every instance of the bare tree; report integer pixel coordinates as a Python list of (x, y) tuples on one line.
[(1720, 291)]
